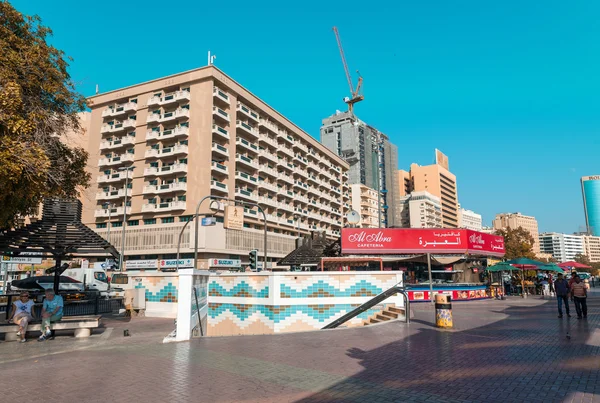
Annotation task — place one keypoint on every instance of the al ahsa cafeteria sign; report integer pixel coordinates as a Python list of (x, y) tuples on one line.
[(409, 240)]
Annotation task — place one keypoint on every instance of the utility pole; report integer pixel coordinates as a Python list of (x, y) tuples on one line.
[(124, 226)]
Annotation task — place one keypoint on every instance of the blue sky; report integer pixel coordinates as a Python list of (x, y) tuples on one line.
[(508, 90)]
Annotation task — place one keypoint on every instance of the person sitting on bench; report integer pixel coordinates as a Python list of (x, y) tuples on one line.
[(22, 313), (52, 311)]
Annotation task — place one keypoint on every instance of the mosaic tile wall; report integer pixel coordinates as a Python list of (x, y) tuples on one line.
[(295, 307), (158, 289)]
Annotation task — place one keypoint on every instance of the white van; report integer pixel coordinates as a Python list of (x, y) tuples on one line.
[(93, 279)]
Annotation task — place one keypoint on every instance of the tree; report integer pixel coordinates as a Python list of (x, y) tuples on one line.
[(38, 104), (583, 259), (517, 243)]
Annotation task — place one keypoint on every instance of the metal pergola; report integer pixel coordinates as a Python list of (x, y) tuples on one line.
[(59, 234)]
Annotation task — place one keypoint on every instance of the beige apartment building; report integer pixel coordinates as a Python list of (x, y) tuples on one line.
[(516, 220), (591, 245), (364, 201), (420, 210), (177, 139), (437, 180)]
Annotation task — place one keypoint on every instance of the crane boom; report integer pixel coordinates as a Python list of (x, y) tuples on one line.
[(339, 42), (355, 93)]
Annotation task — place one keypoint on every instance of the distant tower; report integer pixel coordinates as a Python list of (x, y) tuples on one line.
[(590, 189)]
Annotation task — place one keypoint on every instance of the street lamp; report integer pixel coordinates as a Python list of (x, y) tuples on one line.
[(124, 225)]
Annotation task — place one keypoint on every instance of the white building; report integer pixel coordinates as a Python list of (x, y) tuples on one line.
[(421, 210), (364, 201), (562, 247), (470, 220)]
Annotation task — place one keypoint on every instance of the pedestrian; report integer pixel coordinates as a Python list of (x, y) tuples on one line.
[(551, 283), (22, 313), (52, 311), (561, 287), (579, 297)]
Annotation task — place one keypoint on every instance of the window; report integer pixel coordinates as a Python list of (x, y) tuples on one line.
[(107, 172), (129, 185), (186, 107), (167, 220), (153, 182), (133, 222), (156, 129), (154, 165), (181, 198), (134, 100), (152, 201), (150, 221), (183, 142), (185, 218), (117, 224), (185, 89), (102, 225), (183, 179), (133, 117), (183, 161), (186, 124)]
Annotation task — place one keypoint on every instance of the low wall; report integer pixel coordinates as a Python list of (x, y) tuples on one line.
[(162, 292), (279, 302)]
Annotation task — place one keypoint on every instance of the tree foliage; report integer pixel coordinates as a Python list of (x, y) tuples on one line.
[(583, 259), (38, 104), (518, 242)]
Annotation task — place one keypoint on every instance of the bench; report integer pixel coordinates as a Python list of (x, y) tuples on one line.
[(82, 325)]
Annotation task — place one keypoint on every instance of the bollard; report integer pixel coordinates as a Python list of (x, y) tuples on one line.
[(443, 311)]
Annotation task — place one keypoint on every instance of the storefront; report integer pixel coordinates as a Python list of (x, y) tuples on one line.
[(450, 261)]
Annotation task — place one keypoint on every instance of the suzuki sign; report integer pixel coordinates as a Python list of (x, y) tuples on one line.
[(410, 241)]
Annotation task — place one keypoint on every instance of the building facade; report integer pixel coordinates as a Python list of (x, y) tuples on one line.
[(591, 246), (421, 210), (178, 139), (437, 180), (562, 247), (590, 188), (372, 159), (470, 220), (516, 220), (364, 201)]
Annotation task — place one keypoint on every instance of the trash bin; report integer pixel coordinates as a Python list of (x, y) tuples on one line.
[(443, 311)]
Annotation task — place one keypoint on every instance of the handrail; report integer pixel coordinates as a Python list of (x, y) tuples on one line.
[(371, 303)]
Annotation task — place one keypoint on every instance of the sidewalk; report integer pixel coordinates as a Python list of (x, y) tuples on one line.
[(499, 351)]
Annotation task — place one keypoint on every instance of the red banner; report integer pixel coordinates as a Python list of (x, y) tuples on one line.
[(409, 240)]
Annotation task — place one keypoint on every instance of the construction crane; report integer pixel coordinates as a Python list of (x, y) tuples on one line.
[(356, 95)]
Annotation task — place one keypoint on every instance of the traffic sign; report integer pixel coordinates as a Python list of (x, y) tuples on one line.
[(21, 260)]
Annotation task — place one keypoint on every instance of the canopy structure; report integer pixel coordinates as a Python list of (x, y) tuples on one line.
[(550, 267), (525, 263), (59, 233), (573, 265), (502, 266)]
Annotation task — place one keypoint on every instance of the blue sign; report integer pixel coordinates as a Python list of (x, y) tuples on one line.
[(208, 221)]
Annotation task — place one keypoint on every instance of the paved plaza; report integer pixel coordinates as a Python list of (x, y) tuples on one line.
[(499, 351)]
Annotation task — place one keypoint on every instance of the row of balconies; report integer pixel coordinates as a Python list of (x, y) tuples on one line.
[(113, 194), (118, 126), (167, 134), (177, 149), (116, 160), (166, 169), (247, 111), (114, 177), (182, 95), (165, 188), (116, 143), (168, 116), (162, 207), (119, 109)]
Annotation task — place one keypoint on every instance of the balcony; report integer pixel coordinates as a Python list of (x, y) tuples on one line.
[(268, 140), (270, 126), (122, 142), (220, 150), (115, 177), (244, 110), (160, 207), (268, 186), (218, 130), (300, 159), (117, 127), (272, 218), (119, 109), (298, 145), (269, 171), (219, 187), (114, 194), (267, 201), (177, 149), (176, 96), (245, 194), (285, 206), (219, 168), (286, 151), (245, 144), (283, 135), (152, 153), (166, 170), (242, 176), (247, 161), (165, 188), (267, 155), (220, 95), (245, 128), (168, 134), (285, 178), (116, 160), (176, 114), (220, 113), (113, 212)]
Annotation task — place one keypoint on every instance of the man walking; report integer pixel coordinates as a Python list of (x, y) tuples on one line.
[(579, 296), (561, 287)]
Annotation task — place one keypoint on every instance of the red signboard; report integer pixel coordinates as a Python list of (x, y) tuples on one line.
[(409, 240)]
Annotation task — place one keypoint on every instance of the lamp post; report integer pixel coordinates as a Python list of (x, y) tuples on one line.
[(108, 205), (124, 225)]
